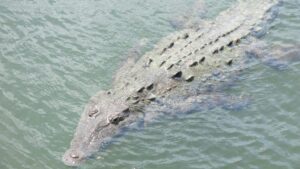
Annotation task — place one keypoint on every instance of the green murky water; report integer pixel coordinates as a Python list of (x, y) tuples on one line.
[(55, 54)]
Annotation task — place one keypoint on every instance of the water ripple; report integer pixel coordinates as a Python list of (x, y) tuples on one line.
[(55, 54)]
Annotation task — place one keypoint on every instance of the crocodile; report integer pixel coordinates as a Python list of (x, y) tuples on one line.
[(187, 57)]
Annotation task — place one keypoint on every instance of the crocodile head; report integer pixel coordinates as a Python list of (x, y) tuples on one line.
[(101, 119)]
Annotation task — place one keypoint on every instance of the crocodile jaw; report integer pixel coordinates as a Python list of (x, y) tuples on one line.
[(100, 121)]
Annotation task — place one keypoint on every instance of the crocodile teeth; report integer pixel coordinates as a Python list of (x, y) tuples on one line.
[(170, 66), (141, 90), (193, 64), (177, 75), (202, 60), (152, 97), (190, 78), (229, 62), (150, 87)]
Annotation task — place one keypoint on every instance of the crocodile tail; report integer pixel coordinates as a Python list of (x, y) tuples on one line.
[(250, 11)]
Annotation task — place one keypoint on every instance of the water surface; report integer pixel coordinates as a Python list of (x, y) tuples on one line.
[(56, 54)]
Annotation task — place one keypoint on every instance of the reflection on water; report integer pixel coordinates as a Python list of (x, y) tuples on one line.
[(56, 54)]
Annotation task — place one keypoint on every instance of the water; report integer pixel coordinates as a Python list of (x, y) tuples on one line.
[(55, 54)]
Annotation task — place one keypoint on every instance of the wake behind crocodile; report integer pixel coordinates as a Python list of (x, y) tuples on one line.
[(180, 65)]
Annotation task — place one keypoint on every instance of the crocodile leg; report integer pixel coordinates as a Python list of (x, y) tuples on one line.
[(175, 107), (192, 18), (281, 56), (277, 57), (131, 56)]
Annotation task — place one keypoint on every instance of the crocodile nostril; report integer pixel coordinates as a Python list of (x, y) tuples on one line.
[(74, 155)]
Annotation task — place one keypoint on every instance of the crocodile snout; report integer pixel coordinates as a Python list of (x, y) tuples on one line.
[(73, 157)]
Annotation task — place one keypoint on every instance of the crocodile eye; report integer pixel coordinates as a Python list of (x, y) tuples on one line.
[(115, 119), (126, 110), (93, 112)]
